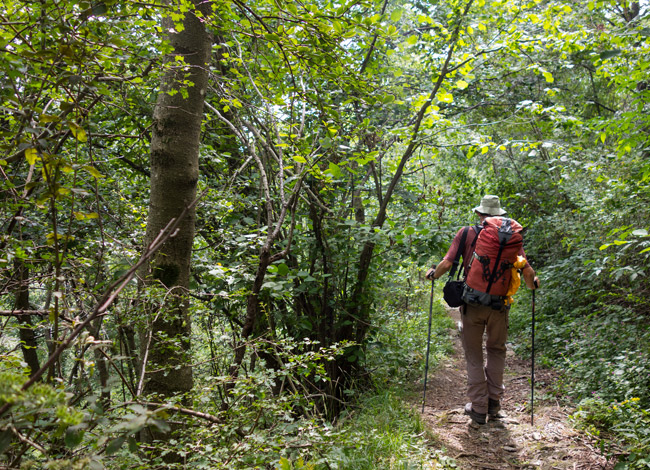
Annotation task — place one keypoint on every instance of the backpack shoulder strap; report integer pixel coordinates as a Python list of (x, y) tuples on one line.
[(477, 228), (459, 251)]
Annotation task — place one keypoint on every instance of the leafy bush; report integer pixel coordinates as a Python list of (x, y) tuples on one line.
[(599, 338), (381, 431), (397, 347), (623, 430), (602, 353)]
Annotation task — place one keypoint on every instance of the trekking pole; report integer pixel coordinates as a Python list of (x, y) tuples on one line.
[(532, 364), (426, 366)]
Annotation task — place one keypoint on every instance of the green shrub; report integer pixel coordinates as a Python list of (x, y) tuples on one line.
[(397, 347), (602, 354), (622, 428), (381, 431)]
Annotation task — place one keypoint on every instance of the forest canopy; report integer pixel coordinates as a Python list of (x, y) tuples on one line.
[(216, 215)]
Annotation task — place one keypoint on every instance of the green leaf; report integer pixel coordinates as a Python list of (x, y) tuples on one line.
[(96, 465), (609, 54), (93, 171), (85, 215), (115, 445), (445, 97), (99, 9), (78, 132), (46, 118), (335, 170), (31, 155), (409, 230), (326, 142), (548, 76), (73, 437), (299, 158), (396, 15), (6, 437), (133, 444)]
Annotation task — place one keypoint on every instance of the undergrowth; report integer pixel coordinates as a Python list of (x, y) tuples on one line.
[(622, 430), (382, 431), (600, 343)]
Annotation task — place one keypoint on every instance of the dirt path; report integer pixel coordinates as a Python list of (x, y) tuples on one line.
[(511, 442)]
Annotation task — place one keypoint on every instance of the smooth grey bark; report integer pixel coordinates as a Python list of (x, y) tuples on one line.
[(174, 162)]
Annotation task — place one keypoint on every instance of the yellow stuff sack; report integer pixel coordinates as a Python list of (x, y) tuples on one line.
[(515, 279)]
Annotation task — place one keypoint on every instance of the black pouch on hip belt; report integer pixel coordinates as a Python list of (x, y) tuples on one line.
[(453, 293), (453, 290)]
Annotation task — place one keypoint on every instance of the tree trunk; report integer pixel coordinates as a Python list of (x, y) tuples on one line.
[(27, 338), (174, 173), (102, 366)]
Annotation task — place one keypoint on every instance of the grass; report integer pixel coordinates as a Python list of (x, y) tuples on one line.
[(383, 431)]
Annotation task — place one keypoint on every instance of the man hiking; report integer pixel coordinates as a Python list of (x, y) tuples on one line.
[(487, 300)]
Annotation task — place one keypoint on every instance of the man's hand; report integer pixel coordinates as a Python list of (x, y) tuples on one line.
[(430, 273)]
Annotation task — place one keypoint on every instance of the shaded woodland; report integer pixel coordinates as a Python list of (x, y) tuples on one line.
[(216, 216)]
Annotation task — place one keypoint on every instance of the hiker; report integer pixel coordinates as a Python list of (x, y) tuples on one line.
[(484, 381)]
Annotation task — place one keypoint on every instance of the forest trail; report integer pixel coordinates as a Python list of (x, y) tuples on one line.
[(511, 442)]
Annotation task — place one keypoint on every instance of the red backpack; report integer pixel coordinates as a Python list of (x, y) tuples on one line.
[(497, 247)]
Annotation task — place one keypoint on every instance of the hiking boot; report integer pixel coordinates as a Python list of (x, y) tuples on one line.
[(494, 406), (478, 418)]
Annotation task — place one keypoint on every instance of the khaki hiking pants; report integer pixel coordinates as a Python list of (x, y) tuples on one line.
[(484, 379)]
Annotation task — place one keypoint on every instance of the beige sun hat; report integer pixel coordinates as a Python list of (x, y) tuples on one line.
[(490, 205)]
